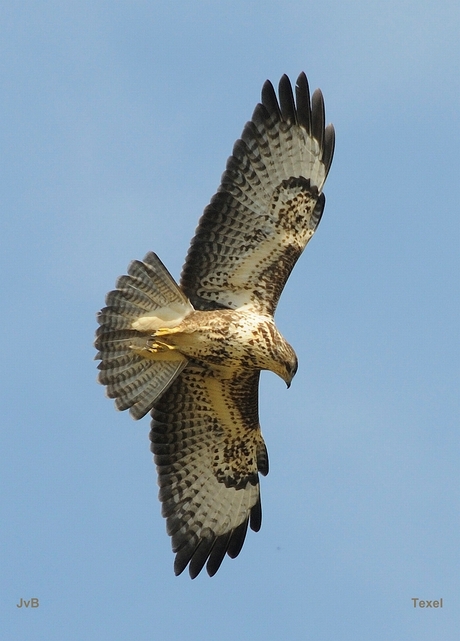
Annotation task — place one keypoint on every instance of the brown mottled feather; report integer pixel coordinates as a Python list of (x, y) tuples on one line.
[(208, 447), (242, 241)]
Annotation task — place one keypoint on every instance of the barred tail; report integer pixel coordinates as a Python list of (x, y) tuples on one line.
[(145, 300)]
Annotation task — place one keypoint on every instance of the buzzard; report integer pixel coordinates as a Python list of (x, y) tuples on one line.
[(191, 354)]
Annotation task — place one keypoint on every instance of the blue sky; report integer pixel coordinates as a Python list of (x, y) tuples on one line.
[(116, 120)]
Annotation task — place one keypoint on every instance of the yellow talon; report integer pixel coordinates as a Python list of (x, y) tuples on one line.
[(164, 331), (159, 346)]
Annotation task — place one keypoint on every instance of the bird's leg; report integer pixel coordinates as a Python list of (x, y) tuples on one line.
[(157, 349), (165, 331), (159, 346)]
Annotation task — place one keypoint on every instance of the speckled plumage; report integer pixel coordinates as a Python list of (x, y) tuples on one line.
[(193, 354)]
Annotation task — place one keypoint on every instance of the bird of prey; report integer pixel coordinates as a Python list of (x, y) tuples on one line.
[(191, 354)]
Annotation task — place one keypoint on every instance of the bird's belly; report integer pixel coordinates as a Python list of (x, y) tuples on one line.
[(223, 338)]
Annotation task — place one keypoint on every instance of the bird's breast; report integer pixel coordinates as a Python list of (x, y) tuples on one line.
[(227, 338)]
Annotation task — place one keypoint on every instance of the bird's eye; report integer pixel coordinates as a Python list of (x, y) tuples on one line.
[(292, 368)]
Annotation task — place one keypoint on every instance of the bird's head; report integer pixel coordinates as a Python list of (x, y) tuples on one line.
[(286, 365), (290, 368)]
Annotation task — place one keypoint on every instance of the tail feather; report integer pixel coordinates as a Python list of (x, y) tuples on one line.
[(117, 378), (145, 300), (151, 277), (140, 395), (118, 316), (113, 343), (165, 373), (130, 294)]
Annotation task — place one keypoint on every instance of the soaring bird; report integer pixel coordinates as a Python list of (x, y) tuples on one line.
[(191, 354)]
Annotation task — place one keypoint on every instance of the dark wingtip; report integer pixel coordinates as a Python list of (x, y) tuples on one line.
[(287, 103), (302, 92), (328, 147), (237, 539), (318, 116), (211, 550), (256, 516), (269, 99), (218, 553)]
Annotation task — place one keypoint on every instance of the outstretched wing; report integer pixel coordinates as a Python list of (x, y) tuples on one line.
[(208, 450), (267, 207)]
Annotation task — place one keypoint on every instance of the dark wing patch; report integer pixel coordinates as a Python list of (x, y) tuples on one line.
[(208, 450), (267, 207)]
